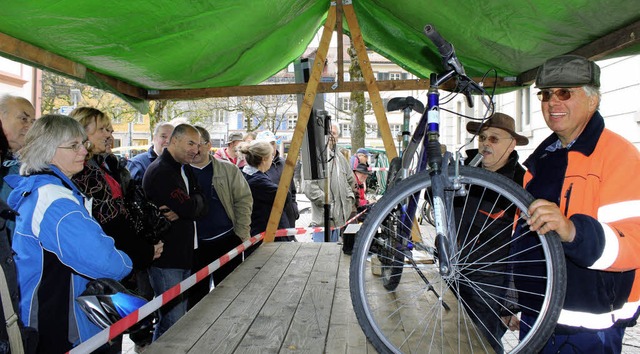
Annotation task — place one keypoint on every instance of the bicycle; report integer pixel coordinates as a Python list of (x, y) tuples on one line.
[(422, 288)]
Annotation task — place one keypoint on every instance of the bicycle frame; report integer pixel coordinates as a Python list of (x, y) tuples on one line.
[(427, 132)]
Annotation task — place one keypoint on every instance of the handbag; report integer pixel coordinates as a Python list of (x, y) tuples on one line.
[(147, 219)]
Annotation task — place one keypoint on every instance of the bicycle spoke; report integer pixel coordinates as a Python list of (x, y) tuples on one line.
[(412, 308)]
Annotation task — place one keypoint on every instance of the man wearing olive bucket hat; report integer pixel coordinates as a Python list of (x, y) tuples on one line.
[(487, 220)]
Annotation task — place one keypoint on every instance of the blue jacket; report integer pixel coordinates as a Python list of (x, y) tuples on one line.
[(59, 248), (139, 164)]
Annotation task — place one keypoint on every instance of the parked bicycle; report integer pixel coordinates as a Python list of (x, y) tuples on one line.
[(408, 281)]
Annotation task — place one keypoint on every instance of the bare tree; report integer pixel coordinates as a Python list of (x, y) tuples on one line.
[(264, 112), (357, 102)]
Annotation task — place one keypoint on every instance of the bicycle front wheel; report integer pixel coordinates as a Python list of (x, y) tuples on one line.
[(506, 289)]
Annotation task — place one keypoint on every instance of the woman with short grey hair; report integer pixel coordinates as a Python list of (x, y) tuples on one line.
[(52, 131), (58, 245)]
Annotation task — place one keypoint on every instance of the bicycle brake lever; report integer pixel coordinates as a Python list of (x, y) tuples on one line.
[(467, 94)]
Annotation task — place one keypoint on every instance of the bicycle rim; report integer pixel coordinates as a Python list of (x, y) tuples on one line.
[(461, 313)]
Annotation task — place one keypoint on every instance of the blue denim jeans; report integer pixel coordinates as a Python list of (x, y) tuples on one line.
[(162, 279), (319, 236)]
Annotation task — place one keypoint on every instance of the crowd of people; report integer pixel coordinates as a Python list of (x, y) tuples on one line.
[(65, 197)]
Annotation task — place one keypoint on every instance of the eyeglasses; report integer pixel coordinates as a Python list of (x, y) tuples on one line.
[(77, 146), (492, 139), (563, 94)]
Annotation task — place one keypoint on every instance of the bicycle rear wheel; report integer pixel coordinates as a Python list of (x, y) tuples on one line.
[(496, 275)]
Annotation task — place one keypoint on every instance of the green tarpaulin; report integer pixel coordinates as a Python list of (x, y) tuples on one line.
[(178, 44)]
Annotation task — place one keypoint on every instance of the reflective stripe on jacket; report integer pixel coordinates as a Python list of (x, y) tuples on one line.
[(600, 194)]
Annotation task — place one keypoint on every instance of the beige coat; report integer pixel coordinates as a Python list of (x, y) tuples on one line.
[(341, 198), (234, 194)]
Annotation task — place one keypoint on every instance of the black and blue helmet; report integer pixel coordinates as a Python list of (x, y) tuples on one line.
[(105, 301)]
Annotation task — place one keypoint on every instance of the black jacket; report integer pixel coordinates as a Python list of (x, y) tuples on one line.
[(163, 184), (495, 220), (274, 173), (110, 212), (263, 191)]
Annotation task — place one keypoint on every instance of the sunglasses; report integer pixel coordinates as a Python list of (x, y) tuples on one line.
[(563, 94), (492, 139)]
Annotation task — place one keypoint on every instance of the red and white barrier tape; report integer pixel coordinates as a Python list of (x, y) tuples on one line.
[(136, 316), (117, 328)]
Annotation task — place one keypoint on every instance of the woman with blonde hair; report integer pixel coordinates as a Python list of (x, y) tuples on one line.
[(106, 180), (259, 155)]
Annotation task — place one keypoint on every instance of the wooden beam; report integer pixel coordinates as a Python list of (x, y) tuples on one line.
[(370, 80), (301, 126), (121, 86), (40, 57), (323, 87), (606, 45), (340, 47)]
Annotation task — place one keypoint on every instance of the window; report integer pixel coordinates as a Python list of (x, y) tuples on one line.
[(368, 105), (396, 129), (218, 116), (116, 120), (346, 130), (395, 76), (344, 103), (139, 119), (292, 119), (523, 106)]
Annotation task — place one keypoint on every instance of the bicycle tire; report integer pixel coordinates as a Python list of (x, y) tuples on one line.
[(391, 259), (412, 318)]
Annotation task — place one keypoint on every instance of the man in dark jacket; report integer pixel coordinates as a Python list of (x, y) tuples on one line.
[(170, 183), (488, 221)]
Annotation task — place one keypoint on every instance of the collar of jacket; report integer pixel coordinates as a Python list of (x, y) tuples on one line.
[(507, 170), (585, 143), (168, 158), (152, 153)]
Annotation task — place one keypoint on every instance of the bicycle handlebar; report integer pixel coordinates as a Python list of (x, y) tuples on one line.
[(452, 64), (448, 54)]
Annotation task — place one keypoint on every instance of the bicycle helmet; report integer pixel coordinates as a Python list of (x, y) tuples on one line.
[(105, 301)]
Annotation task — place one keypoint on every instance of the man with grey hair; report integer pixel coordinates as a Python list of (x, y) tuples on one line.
[(17, 115), (341, 194), (585, 178), (139, 163)]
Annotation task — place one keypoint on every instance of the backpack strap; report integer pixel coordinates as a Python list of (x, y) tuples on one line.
[(11, 318)]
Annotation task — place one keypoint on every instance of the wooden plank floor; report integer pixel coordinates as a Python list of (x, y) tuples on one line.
[(285, 298)]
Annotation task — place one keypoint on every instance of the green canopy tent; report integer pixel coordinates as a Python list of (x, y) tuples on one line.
[(190, 49)]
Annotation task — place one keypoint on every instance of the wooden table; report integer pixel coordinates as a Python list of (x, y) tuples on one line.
[(285, 298)]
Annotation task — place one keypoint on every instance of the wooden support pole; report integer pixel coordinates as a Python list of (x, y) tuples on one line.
[(301, 126), (370, 80)]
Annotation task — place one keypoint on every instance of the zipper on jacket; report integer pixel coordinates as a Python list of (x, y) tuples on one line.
[(567, 197)]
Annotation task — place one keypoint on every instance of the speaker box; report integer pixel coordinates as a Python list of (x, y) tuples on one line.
[(313, 144)]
